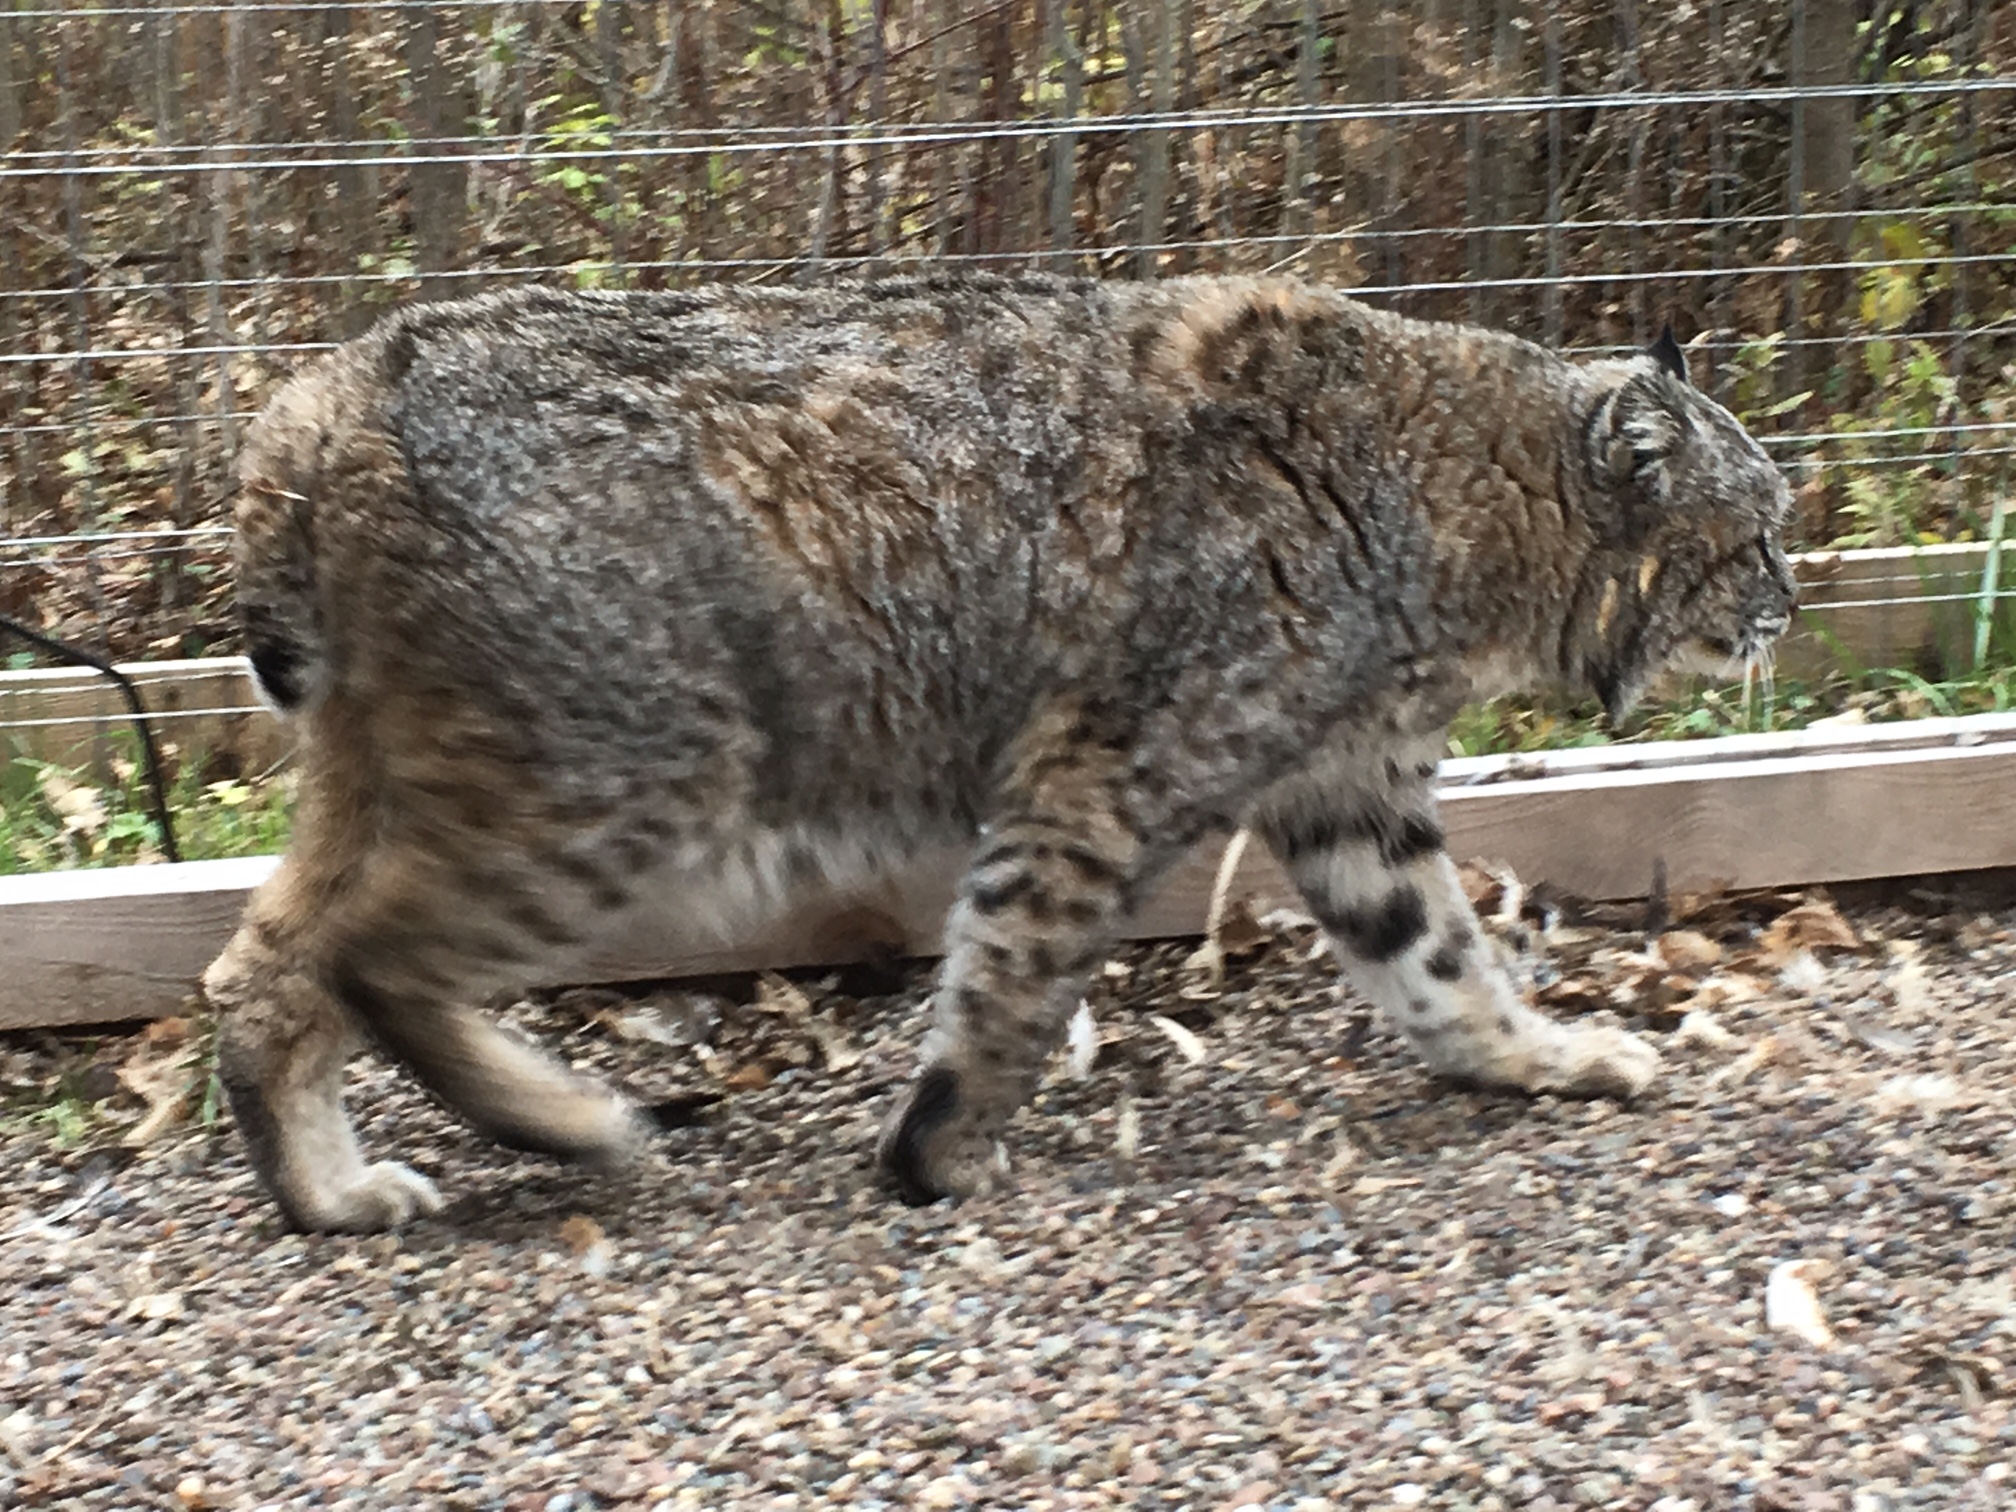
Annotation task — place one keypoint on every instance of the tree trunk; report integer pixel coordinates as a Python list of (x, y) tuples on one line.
[(1828, 136), (1063, 148), (1153, 146), (439, 183)]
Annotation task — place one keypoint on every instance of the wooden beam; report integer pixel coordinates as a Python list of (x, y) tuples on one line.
[(75, 717), (1905, 607), (1821, 805), (106, 944), (1908, 606)]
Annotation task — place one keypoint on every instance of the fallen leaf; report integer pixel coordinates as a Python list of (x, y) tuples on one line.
[(580, 1233), (1343, 1157), (753, 1077), (1207, 965), (1574, 995), (1687, 950), (1876, 1036), (156, 1307), (1928, 1093), (1729, 987), (166, 1034), (1911, 985), (1803, 973), (82, 809), (675, 1024), (162, 1078), (1207, 961), (1480, 884), (1239, 933), (1711, 898), (1814, 925), (1081, 1043), (1308, 1294), (1748, 1064), (1372, 1186), (1511, 896), (1187, 1044), (836, 1050), (1697, 1028), (775, 994), (1790, 1302)]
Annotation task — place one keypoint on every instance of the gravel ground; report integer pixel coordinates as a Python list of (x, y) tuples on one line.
[(1255, 1258)]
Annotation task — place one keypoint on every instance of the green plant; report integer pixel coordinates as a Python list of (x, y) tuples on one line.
[(54, 817), (64, 1113)]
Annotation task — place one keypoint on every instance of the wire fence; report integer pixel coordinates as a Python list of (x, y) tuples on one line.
[(1820, 195)]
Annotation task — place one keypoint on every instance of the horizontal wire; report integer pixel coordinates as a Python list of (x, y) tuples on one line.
[(117, 423), (1798, 438), (1731, 342), (184, 532), (1969, 428), (890, 134), (89, 555), (122, 717), (1852, 464), (134, 354), (1048, 254), (257, 7), (1922, 598), (682, 140), (1361, 291), (122, 423)]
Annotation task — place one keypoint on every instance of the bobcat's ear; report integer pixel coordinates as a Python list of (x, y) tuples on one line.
[(1667, 353), (1632, 432)]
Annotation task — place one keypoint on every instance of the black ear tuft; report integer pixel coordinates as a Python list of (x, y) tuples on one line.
[(1666, 352)]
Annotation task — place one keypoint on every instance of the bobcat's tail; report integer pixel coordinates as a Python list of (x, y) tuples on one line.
[(317, 449), (277, 611)]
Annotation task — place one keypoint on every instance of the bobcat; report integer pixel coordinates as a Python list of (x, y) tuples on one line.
[(743, 592)]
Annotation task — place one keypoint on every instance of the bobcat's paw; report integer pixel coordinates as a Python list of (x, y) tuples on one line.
[(379, 1197), (1603, 1062), (933, 1147)]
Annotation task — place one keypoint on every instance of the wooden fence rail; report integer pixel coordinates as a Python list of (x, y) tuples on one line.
[(1907, 607), (1750, 811)]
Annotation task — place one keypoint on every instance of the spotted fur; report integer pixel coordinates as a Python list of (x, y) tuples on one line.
[(731, 595)]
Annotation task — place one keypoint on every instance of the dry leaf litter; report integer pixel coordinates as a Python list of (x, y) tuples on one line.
[(1254, 1257)]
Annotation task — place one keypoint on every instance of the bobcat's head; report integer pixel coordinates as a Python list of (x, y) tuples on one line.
[(1689, 571)]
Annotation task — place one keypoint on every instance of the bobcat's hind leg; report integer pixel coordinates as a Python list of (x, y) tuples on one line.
[(1052, 876), (283, 1041), (1370, 863), (397, 955)]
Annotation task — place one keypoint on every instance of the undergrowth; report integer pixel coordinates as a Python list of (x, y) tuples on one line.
[(1542, 723), (52, 816)]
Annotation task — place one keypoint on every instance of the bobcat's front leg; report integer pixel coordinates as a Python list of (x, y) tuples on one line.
[(1052, 876), (1370, 863)]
